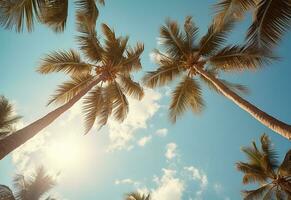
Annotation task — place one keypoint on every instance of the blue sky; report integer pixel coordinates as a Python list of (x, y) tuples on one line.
[(193, 159)]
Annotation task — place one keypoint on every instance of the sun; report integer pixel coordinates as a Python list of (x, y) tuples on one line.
[(65, 154)]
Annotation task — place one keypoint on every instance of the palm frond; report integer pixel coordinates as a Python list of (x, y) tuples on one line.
[(252, 173), (119, 101), (69, 89), (191, 32), (6, 193), (240, 58), (270, 153), (92, 108), (7, 116), (54, 14), (88, 9), (256, 194), (186, 95), (285, 167), (64, 61), (131, 88), (87, 39), (171, 39), (162, 76), (131, 62), (272, 19), (107, 107), (35, 186), (18, 14), (227, 10), (214, 39), (137, 196)]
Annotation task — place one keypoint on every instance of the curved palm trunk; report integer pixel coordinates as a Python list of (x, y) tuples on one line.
[(19, 137), (274, 124)]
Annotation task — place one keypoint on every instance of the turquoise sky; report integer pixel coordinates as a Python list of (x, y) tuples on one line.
[(205, 147)]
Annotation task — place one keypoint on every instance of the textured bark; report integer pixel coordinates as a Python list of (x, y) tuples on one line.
[(16, 139), (271, 122)]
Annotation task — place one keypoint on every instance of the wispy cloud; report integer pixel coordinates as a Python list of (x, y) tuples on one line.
[(171, 151), (162, 132), (121, 135), (127, 181), (144, 140)]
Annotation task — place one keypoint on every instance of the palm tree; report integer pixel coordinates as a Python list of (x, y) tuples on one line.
[(34, 187), (263, 168), (7, 118), (106, 78), (137, 196), (16, 14), (184, 57), (271, 19)]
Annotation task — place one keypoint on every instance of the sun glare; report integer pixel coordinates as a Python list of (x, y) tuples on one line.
[(65, 154)]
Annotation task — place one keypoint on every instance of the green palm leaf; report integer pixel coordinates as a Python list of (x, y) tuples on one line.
[(64, 61), (69, 89), (186, 95), (131, 61), (272, 19)]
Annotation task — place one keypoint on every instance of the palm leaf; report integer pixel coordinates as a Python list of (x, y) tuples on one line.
[(272, 19), (6, 193), (64, 61), (186, 95), (119, 101), (256, 194), (162, 76), (285, 168), (88, 9), (69, 89), (131, 62), (214, 39), (227, 10), (131, 88), (17, 14), (92, 108), (7, 118), (237, 58), (54, 14), (172, 39), (191, 32), (252, 173), (106, 108), (87, 40), (270, 153)]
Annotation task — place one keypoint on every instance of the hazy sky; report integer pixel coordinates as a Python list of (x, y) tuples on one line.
[(193, 159)]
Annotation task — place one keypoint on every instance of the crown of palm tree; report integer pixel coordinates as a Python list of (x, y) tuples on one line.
[(263, 168), (16, 14), (271, 19), (108, 64), (7, 118), (182, 55), (137, 196)]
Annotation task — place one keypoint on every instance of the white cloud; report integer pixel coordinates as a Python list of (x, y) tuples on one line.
[(162, 132), (171, 151), (169, 186), (120, 135), (200, 177), (126, 181), (144, 140), (217, 188)]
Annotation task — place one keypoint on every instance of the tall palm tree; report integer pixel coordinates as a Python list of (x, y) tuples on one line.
[(137, 196), (184, 57), (105, 78), (7, 118), (263, 168), (34, 187), (17, 14), (271, 19)]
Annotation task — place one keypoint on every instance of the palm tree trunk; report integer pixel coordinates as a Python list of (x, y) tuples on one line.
[(13, 141), (271, 122)]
